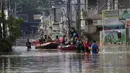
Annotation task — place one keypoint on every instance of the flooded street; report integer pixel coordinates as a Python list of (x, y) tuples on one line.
[(52, 61), (66, 25)]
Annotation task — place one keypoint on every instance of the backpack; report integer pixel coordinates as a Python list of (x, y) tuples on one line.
[(95, 48)]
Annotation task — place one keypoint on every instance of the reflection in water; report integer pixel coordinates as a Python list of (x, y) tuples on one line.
[(95, 60), (54, 62)]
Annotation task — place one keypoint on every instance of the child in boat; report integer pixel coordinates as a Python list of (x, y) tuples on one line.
[(28, 44), (62, 40), (57, 39)]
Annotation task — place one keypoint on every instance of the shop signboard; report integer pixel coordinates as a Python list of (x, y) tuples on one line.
[(114, 30), (110, 17), (114, 36)]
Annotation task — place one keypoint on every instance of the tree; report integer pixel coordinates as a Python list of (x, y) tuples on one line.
[(14, 32), (0, 27), (14, 26)]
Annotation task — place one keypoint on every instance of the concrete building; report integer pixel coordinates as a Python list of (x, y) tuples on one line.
[(93, 9)]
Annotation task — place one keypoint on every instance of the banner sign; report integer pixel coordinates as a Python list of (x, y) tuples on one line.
[(114, 36), (110, 17), (112, 27), (110, 13)]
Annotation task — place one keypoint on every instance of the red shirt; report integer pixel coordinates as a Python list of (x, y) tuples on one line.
[(62, 40), (87, 45)]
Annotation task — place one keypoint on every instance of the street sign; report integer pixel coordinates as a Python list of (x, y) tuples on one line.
[(110, 13), (110, 17)]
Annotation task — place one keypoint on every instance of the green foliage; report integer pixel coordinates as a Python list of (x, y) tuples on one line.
[(113, 37), (84, 13), (14, 32), (6, 45), (14, 26)]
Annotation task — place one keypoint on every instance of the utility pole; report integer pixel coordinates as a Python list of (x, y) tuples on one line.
[(108, 4), (0, 25), (3, 19), (111, 4), (116, 5), (68, 17), (15, 9), (78, 26), (50, 3), (86, 5)]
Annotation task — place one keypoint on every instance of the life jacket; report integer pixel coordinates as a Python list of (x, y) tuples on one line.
[(62, 40)]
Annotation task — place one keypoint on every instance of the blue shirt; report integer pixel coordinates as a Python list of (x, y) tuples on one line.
[(78, 42), (95, 48)]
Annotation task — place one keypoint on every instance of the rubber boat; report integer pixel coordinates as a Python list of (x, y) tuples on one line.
[(67, 48), (48, 45)]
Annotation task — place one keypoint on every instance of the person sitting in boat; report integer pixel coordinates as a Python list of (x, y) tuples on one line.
[(49, 39), (28, 44), (57, 39), (75, 38), (41, 40), (78, 44), (62, 40), (45, 38), (73, 42)]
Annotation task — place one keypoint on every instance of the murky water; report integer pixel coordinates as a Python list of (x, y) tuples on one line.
[(116, 60)]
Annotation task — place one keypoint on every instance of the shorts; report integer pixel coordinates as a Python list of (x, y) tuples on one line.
[(29, 47), (87, 50)]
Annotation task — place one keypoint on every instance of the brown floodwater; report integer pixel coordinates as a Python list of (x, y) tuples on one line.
[(109, 60)]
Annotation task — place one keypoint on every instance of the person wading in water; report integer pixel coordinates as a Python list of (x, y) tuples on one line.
[(87, 49), (95, 48), (28, 44)]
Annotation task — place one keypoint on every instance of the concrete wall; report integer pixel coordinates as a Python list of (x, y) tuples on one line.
[(90, 29)]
